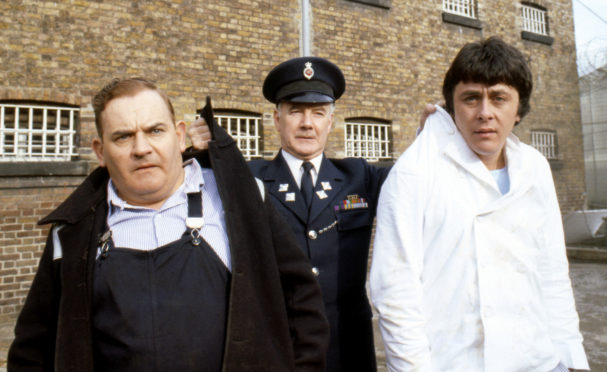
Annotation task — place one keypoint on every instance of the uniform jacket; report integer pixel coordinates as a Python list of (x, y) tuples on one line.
[(335, 236), (275, 316), (465, 278)]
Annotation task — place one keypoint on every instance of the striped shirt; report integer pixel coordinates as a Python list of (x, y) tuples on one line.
[(147, 229)]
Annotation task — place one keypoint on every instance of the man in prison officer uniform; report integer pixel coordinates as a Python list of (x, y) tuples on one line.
[(155, 264), (329, 203)]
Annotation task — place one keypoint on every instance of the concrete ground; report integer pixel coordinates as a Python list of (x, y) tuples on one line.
[(590, 289)]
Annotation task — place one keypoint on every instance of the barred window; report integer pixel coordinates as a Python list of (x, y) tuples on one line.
[(534, 19), (246, 130), (367, 139), (465, 8), (37, 132), (545, 142)]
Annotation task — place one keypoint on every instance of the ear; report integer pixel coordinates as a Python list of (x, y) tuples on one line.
[(330, 122), (276, 122), (97, 147), (180, 129)]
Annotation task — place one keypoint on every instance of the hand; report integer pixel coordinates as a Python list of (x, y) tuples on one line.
[(429, 109), (199, 134)]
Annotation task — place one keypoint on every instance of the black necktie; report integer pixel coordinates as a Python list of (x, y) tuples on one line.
[(307, 188)]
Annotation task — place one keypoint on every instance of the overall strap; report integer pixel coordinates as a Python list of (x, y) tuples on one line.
[(195, 220)]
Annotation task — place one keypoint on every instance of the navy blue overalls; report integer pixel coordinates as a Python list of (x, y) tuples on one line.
[(160, 310)]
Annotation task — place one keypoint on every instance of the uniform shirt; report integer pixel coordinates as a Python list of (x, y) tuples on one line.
[(295, 166), (147, 229), (463, 277)]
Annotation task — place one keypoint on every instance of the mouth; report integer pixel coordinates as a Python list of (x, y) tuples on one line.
[(305, 138), (485, 132), (144, 167)]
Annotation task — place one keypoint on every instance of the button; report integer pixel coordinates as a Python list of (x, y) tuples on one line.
[(312, 234), (315, 271)]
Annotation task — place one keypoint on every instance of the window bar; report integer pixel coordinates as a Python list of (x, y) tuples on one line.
[(256, 128), (70, 137), (58, 133), (30, 128), (44, 131), (358, 153), (16, 132), (246, 135), (382, 150), (2, 130), (237, 133), (249, 129), (365, 140), (374, 143)]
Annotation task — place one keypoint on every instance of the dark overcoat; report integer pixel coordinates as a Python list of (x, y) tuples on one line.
[(275, 318), (335, 235)]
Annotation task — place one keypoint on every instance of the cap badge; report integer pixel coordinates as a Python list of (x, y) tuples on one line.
[(308, 71)]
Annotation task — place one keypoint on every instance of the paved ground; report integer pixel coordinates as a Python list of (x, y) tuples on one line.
[(590, 289)]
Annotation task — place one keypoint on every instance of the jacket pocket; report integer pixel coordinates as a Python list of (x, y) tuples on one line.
[(352, 219)]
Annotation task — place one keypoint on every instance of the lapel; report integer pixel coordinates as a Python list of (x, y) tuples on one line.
[(328, 185), (283, 187), (522, 175), (464, 157)]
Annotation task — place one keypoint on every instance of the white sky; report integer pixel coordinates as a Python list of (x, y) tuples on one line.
[(590, 34)]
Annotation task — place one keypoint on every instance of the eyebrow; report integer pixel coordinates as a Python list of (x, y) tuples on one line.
[(119, 132), (491, 91), (498, 91), (470, 91)]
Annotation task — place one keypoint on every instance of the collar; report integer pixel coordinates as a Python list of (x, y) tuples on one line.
[(295, 163), (450, 139)]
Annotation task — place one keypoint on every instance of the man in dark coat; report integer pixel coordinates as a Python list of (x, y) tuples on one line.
[(333, 219), (250, 303)]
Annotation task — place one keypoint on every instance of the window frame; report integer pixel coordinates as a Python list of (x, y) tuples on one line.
[(364, 150), (249, 153), (531, 33), (546, 142), (24, 133), (467, 19)]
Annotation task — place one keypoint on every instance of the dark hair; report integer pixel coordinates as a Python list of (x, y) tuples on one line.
[(490, 62), (120, 88)]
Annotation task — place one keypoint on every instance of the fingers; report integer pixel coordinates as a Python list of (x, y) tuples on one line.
[(199, 134), (428, 109)]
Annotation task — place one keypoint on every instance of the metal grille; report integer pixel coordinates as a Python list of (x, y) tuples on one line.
[(37, 132), (534, 20), (245, 131), (464, 8), (368, 140), (544, 142)]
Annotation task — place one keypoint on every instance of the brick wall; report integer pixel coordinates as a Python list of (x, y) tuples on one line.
[(21, 240), (393, 59)]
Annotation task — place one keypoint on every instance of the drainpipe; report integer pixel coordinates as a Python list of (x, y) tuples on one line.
[(305, 28)]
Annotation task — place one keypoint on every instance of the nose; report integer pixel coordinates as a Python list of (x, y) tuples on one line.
[(485, 110), (307, 118), (141, 145)]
